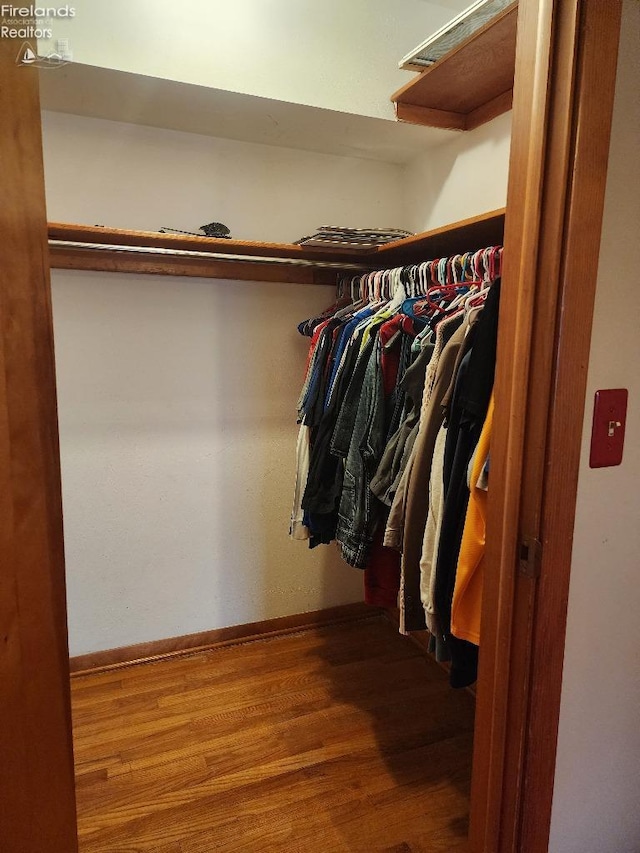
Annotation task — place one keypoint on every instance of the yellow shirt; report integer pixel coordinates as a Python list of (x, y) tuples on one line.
[(467, 594)]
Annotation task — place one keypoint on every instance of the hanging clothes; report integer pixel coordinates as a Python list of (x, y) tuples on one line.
[(323, 491), (377, 414), (465, 418), (387, 477), (409, 514), (394, 399)]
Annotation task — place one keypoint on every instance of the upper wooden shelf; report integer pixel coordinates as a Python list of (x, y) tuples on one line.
[(88, 247), (468, 87), (467, 235), (120, 250)]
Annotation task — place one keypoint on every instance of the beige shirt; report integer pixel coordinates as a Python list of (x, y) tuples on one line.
[(432, 533)]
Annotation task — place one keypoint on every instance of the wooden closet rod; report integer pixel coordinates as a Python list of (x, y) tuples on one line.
[(219, 256)]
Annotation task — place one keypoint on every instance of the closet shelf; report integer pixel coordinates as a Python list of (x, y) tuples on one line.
[(467, 235), (471, 85), (118, 250), (86, 247)]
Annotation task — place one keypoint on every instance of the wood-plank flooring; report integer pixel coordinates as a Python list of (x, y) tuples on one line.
[(344, 738)]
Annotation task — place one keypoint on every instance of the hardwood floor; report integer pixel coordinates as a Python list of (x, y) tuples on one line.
[(334, 739)]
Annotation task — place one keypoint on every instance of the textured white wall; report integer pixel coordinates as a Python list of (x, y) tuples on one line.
[(333, 54), (128, 176), (463, 177), (177, 402), (596, 796), (177, 397)]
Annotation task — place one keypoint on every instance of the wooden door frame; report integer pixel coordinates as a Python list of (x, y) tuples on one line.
[(563, 102), (563, 96), (37, 794)]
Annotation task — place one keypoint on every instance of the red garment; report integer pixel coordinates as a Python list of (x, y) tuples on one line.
[(382, 575), (390, 352), (314, 342), (329, 363)]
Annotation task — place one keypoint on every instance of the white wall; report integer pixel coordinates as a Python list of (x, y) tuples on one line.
[(177, 397), (129, 176), (177, 402), (597, 792), (334, 54), (465, 176)]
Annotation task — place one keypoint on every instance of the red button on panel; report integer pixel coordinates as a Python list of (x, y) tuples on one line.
[(607, 433)]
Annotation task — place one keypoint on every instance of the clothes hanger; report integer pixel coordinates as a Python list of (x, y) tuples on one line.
[(423, 279), (407, 278), (410, 278), (451, 270), (433, 268), (442, 270), (455, 279), (392, 305), (476, 264), (464, 265), (384, 286), (417, 279), (378, 279), (444, 291), (414, 280)]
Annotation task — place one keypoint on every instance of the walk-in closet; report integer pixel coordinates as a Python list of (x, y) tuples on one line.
[(296, 356)]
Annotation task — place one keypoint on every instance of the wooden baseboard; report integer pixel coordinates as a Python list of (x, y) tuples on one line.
[(155, 650)]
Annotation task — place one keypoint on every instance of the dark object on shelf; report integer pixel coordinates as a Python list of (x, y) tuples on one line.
[(213, 229), (216, 229)]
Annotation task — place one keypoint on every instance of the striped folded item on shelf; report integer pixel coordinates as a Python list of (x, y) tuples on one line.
[(335, 236)]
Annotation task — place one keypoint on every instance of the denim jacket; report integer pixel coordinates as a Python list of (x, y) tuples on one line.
[(324, 484), (377, 407), (357, 515)]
